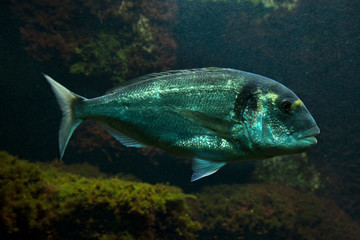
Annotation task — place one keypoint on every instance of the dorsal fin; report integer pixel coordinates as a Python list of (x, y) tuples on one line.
[(152, 76), (172, 72)]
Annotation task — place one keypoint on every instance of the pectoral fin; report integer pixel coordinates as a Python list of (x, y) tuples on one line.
[(203, 168), (217, 125)]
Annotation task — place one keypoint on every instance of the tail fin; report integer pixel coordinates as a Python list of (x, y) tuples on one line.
[(65, 99)]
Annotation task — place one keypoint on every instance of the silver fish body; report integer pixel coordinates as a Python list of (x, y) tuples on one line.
[(213, 115)]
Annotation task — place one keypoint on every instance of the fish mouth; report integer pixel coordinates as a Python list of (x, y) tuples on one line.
[(309, 135)]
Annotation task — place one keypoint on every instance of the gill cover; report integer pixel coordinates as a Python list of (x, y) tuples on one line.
[(247, 113)]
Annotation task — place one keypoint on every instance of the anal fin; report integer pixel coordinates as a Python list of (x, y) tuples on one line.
[(123, 139)]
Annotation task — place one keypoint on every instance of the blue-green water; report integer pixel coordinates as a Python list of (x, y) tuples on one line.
[(310, 46)]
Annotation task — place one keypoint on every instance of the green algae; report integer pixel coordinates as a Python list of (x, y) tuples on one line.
[(39, 200), (44, 202), (107, 53)]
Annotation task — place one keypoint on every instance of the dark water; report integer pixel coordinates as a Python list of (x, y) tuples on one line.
[(313, 47)]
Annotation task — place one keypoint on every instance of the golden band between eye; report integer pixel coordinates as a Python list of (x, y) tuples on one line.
[(298, 103)]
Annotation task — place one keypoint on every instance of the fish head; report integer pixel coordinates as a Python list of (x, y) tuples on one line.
[(278, 122)]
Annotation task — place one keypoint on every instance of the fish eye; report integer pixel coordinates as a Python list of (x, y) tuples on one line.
[(286, 106)]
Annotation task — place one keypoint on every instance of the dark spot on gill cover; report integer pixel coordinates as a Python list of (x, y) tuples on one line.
[(246, 97)]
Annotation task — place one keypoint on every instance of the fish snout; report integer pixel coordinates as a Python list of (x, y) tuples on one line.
[(312, 132), (309, 135)]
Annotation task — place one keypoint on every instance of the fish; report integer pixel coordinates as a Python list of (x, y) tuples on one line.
[(213, 116)]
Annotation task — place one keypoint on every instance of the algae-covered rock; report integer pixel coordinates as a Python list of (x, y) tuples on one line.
[(270, 211), (286, 4), (292, 170), (112, 39), (40, 201)]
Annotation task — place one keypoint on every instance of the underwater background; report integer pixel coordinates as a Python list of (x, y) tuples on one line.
[(103, 190)]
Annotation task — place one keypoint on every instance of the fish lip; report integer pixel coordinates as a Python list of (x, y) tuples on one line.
[(310, 133)]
